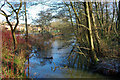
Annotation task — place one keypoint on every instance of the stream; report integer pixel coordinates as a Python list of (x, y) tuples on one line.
[(55, 68)]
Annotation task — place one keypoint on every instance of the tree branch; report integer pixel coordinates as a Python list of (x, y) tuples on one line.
[(6, 16), (2, 5), (19, 7), (11, 6), (17, 18), (83, 26)]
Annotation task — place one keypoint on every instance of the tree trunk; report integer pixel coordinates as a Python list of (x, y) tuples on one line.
[(102, 6), (100, 22), (76, 15), (92, 53), (119, 30), (26, 36), (75, 32), (97, 38), (113, 16), (117, 22), (26, 23), (14, 39), (107, 16)]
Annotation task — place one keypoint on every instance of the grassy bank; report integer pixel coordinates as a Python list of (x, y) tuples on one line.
[(13, 61)]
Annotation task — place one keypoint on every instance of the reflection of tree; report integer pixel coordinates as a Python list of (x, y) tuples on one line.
[(45, 61), (42, 49), (41, 56)]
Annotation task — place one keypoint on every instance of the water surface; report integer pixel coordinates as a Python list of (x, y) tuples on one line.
[(56, 67)]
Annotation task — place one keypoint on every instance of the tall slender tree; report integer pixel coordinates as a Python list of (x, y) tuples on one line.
[(113, 15), (119, 30), (102, 12), (107, 15), (98, 17), (76, 15), (92, 53), (26, 21), (97, 38)]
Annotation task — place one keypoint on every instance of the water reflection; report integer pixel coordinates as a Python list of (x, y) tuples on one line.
[(59, 66)]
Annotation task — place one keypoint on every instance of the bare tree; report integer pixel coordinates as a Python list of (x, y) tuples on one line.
[(7, 16)]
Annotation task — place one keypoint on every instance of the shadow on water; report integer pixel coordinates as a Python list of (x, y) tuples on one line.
[(59, 66)]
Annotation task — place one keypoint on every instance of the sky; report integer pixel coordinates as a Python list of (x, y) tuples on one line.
[(34, 10)]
